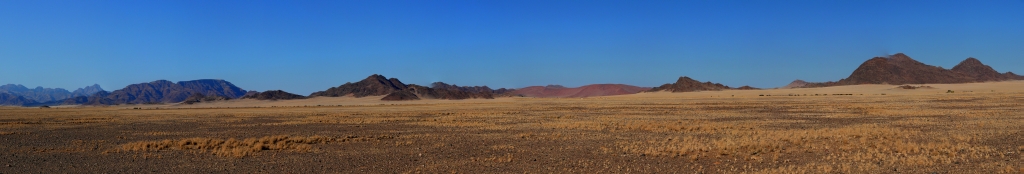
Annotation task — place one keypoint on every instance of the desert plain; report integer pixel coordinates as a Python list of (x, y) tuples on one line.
[(845, 129)]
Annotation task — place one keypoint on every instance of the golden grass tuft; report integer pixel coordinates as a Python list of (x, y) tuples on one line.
[(230, 147)]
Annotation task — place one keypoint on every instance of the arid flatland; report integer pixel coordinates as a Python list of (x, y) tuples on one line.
[(845, 129)]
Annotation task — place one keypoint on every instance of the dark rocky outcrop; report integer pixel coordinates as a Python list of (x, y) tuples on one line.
[(272, 95), (899, 69), (441, 90), (200, 98), (374, 85), (686, 84)]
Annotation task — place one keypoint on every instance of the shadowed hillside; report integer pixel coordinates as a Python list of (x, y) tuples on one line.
[(687, 84), (8, 99), (272, 95), (374, 85), (161, 91), (378, 85)]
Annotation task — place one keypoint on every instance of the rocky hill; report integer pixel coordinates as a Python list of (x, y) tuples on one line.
[(441, 90), (163, 91), (378, 85), (213, 87), (374, 85), (272, 95), (795, 84), (687, 84), (900, 69), (200, 98), (973, 68), (558, 91)]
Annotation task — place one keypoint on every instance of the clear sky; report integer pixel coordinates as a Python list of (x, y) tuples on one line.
[(307, 46)]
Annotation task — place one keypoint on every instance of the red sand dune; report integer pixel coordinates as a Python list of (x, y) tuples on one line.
[(556, 91)]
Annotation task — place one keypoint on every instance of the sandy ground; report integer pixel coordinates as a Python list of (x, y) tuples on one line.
[(976, 129)]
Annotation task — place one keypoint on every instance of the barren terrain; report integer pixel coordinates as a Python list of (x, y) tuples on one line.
[(844, 129)]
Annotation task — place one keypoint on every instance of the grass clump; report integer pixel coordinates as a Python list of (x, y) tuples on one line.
[(230, 147)]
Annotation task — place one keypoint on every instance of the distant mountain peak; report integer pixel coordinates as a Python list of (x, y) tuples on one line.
[(980, 72), (376, 77), (900, 57), (87, 91), (968, 63), (685, 79)]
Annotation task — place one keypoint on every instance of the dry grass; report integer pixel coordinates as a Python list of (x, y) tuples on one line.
[(230, 147), (905, 131)]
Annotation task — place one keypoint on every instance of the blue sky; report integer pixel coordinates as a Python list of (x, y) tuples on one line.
[(307, 46)]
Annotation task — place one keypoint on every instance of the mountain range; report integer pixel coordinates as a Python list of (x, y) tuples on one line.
[(394, 89), (162, 91), (897, 69), (42, 95)]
